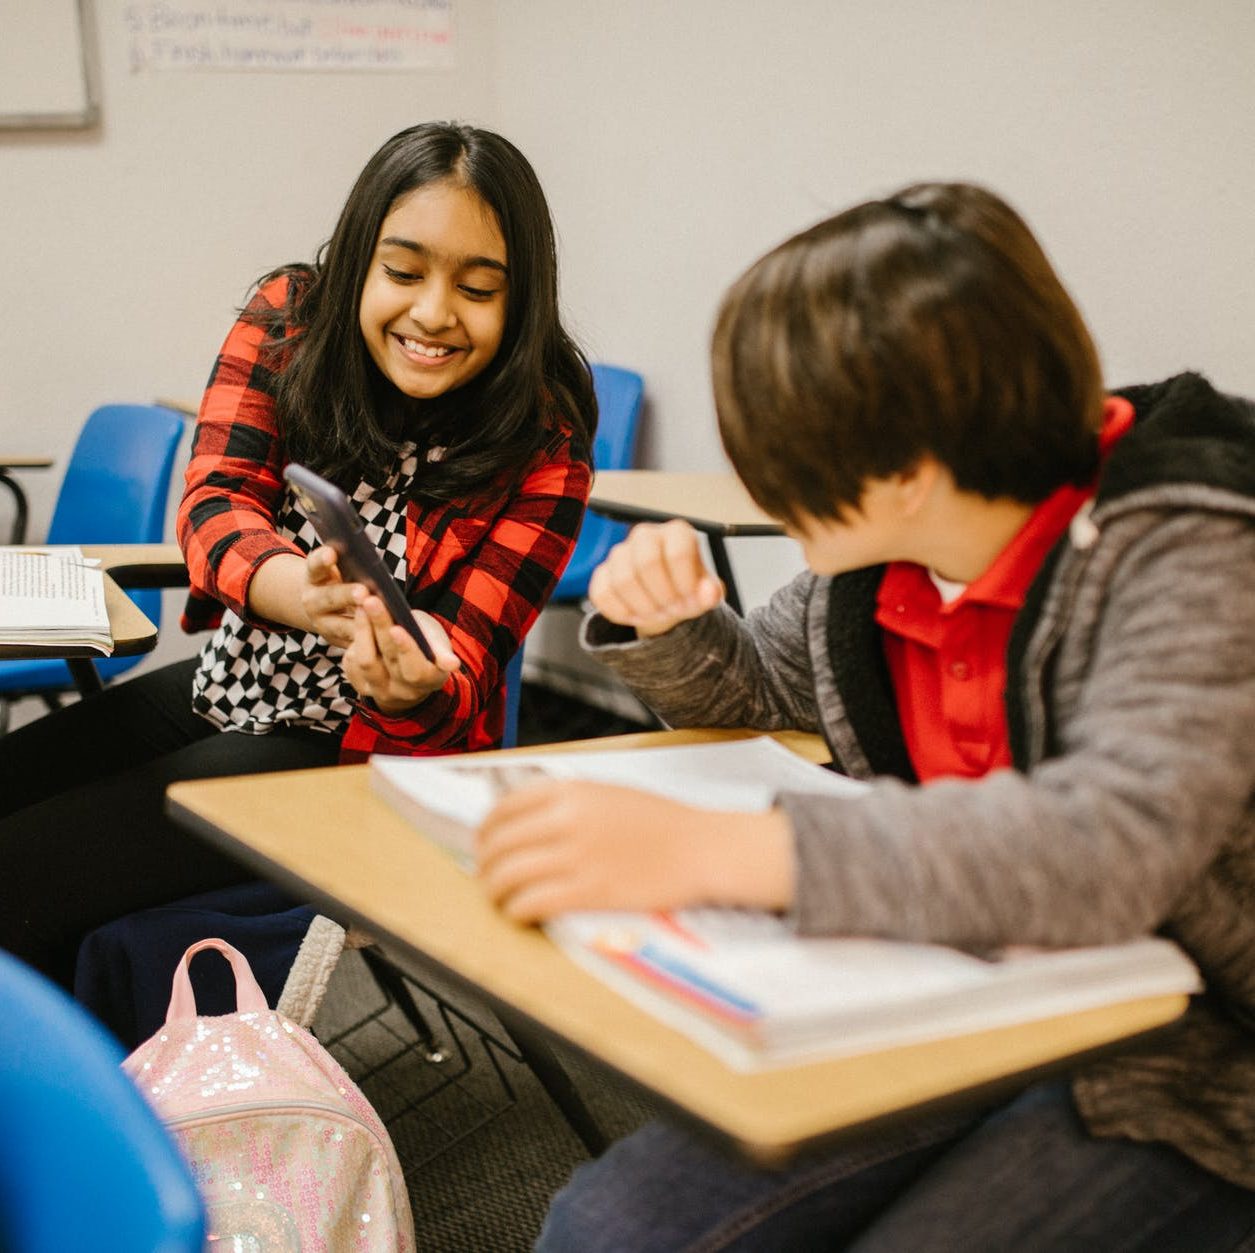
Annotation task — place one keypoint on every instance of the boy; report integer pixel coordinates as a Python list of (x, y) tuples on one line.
[(1028, 618)]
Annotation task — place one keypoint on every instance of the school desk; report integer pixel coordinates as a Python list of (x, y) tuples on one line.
[(17, 532), (132, 632), (185, 407), (324, 835), (123, 565), (715, 504), (141, 565)]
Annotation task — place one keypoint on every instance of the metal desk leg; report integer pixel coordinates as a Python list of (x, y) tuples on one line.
[(532, 1049), (535, 1051), (723, 568), (17, 533), (389, 978), (86, 678)]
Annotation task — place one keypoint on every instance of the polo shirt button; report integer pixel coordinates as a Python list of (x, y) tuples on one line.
[(899, 609), (960, 670)]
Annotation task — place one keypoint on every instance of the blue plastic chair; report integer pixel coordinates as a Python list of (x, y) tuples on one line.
[(619, 395), (513, 686), (86, 1163), (115, 491)]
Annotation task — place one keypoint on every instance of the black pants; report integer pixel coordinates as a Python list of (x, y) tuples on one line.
[(83, 833)]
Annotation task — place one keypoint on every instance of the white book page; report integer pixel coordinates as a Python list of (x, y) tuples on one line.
[(51, 590), (742, 985), (739, 775)]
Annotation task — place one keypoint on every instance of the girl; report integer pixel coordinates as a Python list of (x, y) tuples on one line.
[(421, 364), (1027, 620)]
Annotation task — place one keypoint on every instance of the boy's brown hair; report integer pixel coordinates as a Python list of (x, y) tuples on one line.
[(929, 322)]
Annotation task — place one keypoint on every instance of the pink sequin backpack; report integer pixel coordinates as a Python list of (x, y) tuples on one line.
[(286, 1151)]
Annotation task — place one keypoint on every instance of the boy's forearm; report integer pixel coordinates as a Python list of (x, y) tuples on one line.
[(740, 860), (720, 670), (682, 674)]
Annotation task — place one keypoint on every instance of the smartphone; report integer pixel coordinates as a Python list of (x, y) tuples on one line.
[(338, 526)]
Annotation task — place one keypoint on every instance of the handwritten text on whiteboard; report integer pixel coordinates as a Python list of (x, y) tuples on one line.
[(290, 34)]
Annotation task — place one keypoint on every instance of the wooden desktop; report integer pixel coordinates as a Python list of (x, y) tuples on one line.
[(123, 565), (325, 835), (715, 504)]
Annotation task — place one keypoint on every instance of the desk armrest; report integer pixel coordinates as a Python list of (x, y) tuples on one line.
[(141, 565)]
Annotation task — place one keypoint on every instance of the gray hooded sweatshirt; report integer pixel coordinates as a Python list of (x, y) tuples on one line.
[(1130, 807)]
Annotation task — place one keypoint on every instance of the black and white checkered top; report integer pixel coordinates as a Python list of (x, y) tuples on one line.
[(253, 680)]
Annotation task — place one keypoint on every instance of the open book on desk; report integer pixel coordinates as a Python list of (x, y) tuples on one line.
[(53, 598), (739, 982), (448, 797)]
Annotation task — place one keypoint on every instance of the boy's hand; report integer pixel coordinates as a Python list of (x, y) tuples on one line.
[(567, 844), (655, 579), (328, 601), (385, 664)]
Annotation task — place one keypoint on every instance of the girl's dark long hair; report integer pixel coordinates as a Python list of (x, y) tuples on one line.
[(341, 417)]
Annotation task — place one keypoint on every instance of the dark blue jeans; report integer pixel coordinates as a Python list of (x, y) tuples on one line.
[(1025, 1179), (84, 836)]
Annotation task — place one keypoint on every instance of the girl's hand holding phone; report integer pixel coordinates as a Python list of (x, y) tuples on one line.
[(384, 663), (329, 602), (655, 579)]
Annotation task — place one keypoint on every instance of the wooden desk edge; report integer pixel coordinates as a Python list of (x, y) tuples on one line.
[(132, 633), (771, 1114), (141, 565), (714, 502), (620, 511)]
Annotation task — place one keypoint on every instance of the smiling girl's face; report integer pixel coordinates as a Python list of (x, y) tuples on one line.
[(433, 304)]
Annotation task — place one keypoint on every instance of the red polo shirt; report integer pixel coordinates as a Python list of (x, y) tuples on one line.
[(948, 660)]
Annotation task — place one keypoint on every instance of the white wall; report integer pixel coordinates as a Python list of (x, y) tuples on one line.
[(125, 251), (677, 139)]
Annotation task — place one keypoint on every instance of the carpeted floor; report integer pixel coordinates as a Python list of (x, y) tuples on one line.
[(483, 1146)]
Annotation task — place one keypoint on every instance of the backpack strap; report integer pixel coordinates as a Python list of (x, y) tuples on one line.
[(249, 997)]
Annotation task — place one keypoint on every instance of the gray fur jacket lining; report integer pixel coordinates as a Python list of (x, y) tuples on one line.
[(1130, 700)]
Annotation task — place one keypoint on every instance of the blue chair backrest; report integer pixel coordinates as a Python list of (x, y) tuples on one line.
[(118, 479), (85, 1162), (116, 489), (619, 395)]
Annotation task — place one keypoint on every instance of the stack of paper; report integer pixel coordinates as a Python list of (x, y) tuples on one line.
[(448, 797), (52, 598), (745, 987), (741, 983)]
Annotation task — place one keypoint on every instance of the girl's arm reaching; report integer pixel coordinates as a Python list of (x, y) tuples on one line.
[(234, 481), (483, 573), (233, 485)]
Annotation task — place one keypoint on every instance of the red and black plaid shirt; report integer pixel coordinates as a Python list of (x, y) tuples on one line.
[(484, 567)]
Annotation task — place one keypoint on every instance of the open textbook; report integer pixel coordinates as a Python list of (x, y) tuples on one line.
[(740, 982), (53, 597), (448, 797)]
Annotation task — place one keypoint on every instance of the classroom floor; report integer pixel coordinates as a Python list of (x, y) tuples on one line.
[(482, 1145)]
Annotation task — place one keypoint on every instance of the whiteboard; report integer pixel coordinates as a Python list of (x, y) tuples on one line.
[(47, 65)]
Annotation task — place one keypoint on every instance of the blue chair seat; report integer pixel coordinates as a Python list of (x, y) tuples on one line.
[(86, 1163)]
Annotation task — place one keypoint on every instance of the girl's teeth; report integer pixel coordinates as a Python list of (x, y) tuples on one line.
[(426, 350)]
